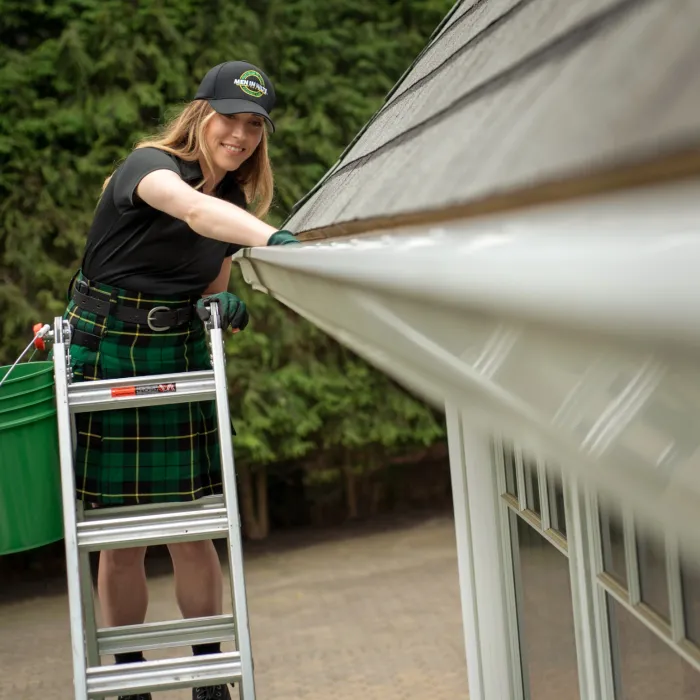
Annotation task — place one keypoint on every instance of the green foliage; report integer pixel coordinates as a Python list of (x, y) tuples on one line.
[(82, 80)]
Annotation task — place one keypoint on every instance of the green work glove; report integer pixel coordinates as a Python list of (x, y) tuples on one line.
[(232, 310), (282, 238)]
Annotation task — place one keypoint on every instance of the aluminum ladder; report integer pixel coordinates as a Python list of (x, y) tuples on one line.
[(87, 530)]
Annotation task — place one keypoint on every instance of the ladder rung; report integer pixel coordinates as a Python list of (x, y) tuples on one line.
[(158, 635), (164, 674), (206, 502), (135, 526), (112, 394)]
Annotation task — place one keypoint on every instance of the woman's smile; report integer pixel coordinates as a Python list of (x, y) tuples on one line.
[(233, 149)]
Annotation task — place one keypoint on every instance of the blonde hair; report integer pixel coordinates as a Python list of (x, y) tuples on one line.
[(183, 136)]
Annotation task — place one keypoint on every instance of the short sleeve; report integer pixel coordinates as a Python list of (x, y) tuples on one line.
[(138, 164)]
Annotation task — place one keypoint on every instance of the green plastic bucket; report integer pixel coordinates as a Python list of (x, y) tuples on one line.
[(25, 411), (26, 397), (30, 482)]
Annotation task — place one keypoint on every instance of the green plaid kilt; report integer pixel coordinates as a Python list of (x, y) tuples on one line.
[(155, 453)]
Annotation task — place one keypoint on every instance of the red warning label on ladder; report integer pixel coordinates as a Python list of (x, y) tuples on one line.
[(144, 389)]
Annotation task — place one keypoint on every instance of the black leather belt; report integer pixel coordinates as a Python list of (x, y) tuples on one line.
[(85, 340), (157, 318)]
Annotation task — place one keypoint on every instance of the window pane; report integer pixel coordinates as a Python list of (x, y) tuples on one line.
[(557, 517), (511, 479), (613, 542), (646, 668), (690, 580), (652, 573), (532, 486), (545, 615)]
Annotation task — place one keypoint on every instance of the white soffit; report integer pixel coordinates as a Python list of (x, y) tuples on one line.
[(574, 329)]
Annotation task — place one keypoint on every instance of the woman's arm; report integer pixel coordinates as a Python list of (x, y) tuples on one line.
[(208, 216)]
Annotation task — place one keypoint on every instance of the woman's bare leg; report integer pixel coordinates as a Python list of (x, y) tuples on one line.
[(122, 587), (198, 578)]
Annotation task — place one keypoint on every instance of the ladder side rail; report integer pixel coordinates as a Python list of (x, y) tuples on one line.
[(89, 617), (65, 445), (86, 584), (237, 576)]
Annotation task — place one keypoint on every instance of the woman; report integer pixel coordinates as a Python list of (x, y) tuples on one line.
[(164, 231)]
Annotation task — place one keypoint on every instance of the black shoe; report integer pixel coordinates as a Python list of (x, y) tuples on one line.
[(211, 692), (142, 696)]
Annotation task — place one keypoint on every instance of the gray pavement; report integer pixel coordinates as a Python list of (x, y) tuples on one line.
[(365, 612)]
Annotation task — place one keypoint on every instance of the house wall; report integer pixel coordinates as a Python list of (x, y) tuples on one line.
[(564, 594)]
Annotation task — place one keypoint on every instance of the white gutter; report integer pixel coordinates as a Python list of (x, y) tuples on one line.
[(575, 329)]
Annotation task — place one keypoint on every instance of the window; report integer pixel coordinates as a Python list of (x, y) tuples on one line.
[(648, 603), (557, 519), (532, 486), (545, 615), (511, 476), (653, 583), (651, 658), (533, 489), (645, 667), (613, 542), (690, 584)]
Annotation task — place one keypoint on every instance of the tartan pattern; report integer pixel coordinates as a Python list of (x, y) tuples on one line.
[(151, 454)]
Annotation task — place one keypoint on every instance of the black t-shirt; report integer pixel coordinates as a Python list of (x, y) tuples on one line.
[(134, 246)]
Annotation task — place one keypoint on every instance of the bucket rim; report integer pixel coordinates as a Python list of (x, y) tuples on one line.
[(48, 367)]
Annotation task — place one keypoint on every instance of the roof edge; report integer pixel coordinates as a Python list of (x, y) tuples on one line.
[(679, 164)]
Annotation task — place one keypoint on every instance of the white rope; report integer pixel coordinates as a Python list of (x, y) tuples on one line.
[(40, 334)]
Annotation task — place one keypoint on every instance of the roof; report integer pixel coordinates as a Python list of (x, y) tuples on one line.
[(516, 101)]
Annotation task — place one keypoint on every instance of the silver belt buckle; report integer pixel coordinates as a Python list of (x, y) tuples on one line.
[(149, 319)]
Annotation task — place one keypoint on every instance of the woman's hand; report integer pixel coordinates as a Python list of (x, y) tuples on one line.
[(283, 238), (232, 310)]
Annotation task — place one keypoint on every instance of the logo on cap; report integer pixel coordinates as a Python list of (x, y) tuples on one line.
[(252, 83)]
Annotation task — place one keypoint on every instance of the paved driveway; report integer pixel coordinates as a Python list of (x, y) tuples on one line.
[(367, 612)]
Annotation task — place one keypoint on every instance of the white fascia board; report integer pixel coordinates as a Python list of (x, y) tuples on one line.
[(572, 329)]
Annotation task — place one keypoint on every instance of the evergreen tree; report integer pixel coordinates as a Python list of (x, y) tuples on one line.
[(82, 80)]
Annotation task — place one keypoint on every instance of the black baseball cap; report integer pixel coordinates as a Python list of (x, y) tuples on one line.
[(235, 87)]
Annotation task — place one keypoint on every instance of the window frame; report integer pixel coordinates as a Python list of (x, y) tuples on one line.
[(490, 590), (673, 633), (575, 546)]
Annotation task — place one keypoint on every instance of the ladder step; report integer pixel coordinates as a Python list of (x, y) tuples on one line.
[(113, 394), (159, 635), (136, 526), (163, 674)]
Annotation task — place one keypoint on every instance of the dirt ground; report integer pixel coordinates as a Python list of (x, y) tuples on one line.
[(364, 612)]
